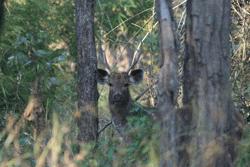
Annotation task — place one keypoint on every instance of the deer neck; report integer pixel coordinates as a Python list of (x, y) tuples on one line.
[(120, 112)]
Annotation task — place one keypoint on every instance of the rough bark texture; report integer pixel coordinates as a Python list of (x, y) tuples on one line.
[(207, 90), (168, 87), (87, 115)]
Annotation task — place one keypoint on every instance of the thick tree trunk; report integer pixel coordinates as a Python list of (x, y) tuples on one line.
[(87, 114), (207, 90), (168, 87)]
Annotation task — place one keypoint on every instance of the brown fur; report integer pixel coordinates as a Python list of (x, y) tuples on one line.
[(120, 101)]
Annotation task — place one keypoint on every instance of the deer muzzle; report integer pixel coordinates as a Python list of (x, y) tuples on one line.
[(119, 99)]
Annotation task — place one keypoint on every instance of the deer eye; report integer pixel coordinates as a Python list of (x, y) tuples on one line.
[(110, 84)]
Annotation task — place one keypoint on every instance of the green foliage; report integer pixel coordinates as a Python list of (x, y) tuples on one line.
[(57, 145), (126, 17), (38, 41), (240, 75), (143, 150), (244, 150)]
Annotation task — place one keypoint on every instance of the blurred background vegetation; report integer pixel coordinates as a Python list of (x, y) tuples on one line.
[(39, 42)]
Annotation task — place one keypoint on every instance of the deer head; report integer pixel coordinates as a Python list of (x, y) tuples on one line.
[(119, 85), (119, 97), (119, 82), (120, 101)]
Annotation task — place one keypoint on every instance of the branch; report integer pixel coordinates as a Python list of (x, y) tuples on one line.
[(145, 91), (107, 125)]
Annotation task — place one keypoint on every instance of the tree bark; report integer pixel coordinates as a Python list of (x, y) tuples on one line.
[(207, 90), (87, 114), (167, 87)]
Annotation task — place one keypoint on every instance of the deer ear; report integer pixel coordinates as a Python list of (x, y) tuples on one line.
[(102, 76), (135, 76)]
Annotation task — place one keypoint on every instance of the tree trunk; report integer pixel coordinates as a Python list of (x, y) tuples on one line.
[(34, 110), (207, 90), (87, 114), (168, 87)]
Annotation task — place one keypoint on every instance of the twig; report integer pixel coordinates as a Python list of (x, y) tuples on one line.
[(130, 18), (145, 91), (179, 4), (107, 125)]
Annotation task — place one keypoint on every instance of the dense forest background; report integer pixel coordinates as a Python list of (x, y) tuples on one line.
[(38, 56)]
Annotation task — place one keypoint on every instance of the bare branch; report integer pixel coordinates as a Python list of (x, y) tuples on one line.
[(146, 90), (107, 125)]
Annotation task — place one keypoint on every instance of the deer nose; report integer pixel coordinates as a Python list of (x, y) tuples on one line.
[(118, 97)]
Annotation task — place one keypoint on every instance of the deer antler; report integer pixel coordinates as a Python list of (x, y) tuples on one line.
[(104, 58), (137, 53), (135, 60)]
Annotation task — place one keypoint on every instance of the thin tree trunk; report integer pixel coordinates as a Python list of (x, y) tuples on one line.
[(34, 110), (87, 114), (207, 90), (168, 87)]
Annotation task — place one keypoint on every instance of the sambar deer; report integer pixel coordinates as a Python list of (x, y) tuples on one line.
[(120, 101)]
